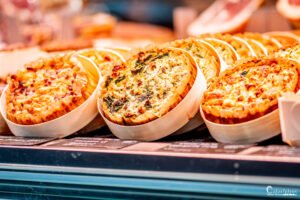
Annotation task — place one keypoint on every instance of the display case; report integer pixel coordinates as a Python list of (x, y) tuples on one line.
[(189, 166)]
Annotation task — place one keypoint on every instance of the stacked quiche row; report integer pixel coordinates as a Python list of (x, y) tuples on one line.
[(243, 74)]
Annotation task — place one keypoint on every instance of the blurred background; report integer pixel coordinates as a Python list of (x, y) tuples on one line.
[(42, 21)]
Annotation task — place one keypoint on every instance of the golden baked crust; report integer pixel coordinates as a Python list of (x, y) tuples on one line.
[(207, 60), (46, 89), (225, 50), (249, 90), (148, 86)]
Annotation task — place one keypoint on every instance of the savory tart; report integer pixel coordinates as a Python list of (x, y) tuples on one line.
[(271, 44), (286, 39), (105, 59), (206, 58), (291, 53), (225, 50), (241, 46), (148, 86), (250, 90), (258, 48), (46, 89)]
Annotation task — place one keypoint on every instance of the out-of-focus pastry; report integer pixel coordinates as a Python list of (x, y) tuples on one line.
[(225, 50), (290, 53), (286, 39), (66, 45), (94, 26), (271, 44), (206, 58)]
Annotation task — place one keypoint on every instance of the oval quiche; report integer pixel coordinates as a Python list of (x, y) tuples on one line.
[(249, 90), (206, 58), (147, 86), (46, 89)]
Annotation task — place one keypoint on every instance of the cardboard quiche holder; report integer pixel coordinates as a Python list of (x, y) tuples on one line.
[(68, 123)]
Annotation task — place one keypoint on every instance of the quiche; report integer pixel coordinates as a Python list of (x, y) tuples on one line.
[(104, 59), (242, 47), (225, 50), (46, 89), (206, 58), (290, 53), (271, 44), (258, 48), (147, 86), (250, 90), (286, 39)]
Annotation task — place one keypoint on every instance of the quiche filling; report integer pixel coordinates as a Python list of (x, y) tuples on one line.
[(292, 53), (46, 89), (149, 85), (205, 58), (250, 90)]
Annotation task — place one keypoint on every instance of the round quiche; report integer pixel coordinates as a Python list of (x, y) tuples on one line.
[(104, 59), (241, 46), (259, 49), (206, 58), (271, 44), (249, 90), (46, 89), (286, 39), (225, 50), (147, 86)]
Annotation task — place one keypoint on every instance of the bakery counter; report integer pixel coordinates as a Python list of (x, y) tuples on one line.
[(191, 166)]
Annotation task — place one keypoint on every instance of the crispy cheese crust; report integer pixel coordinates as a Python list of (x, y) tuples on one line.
[(206, 59), (249, 90), (45, 90), (148, 86)]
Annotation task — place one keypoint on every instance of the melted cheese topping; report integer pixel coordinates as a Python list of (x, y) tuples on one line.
[(150, 85), (249, 90), (45, 90)]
